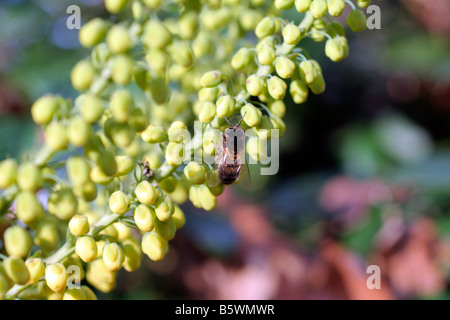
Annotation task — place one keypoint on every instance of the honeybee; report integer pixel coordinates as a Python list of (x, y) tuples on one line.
[(229, 164), (147, 173)]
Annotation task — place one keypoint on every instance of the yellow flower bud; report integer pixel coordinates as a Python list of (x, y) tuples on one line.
[(124, 165), (8, 173), (211, 138), (132, 257), (357, 20), (334, 50), (181, 53), (265, 27), (118, 39), (16, 270), (336, 7), (308, 71), (318, 85), (363, 3), (119, 202), (122, 69), (107, 163), (46, 236), (100, 277), (98, 176), (145, 218), (277, 87), (146, 193), (217, 190), (62, 204), (178, 217), (208, 112), (159, 91), (177, 131), (207, 199), (17, 242), (344, 44), (93, 148), (249, 19), (284, 4), (153, 4), (225, 106), (202, 45), (86, 248), (88, 293), (284, 67), (154, 246), (82, 75), (208, 94), (122, 134), (265, 127), (318, 8), (79, 131), (335, 29), (115, 6), (255, 85), (299, 91), (156, 35), (138, 121), (251, 114), (29, 177), (113, 257), (164, 208), (122, 105), (211, 79), (291, 34), (123, 231), (79, 225), (71, 263), (74, 294), (28, 208), (195, 173), (278, 108), (174, 153), (154, 134), (4, 286), (92, 33), (44, 108), (166, 229), (241, 59), (266, 54), (279, 125), (78, 170), (302, 5), (168, 184), (36, 268), (188, 24), (56, 277)]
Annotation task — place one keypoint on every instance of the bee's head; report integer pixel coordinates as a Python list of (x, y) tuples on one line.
[(234, 131)]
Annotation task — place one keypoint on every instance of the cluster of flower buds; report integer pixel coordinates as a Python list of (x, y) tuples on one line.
[(125, 157)]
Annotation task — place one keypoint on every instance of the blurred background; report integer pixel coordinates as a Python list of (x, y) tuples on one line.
[(364, 171)]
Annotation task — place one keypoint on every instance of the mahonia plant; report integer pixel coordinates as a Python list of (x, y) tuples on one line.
[(110, 172)]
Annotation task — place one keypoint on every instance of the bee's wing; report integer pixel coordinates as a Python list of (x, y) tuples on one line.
[(244, 176), (213, 176)]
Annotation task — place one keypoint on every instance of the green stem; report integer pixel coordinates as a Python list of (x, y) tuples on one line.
[(100, 84), (15, 290), (44, 155), (304, 26), (322, 33), (164, 171), (350, 4)]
